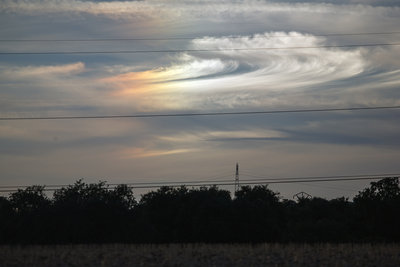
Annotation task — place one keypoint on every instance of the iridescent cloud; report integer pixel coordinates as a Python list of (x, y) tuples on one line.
[(199, 77)]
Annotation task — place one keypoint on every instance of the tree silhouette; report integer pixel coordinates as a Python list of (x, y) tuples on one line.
[(377, 209), (31, 199), (6, 219), (387, 189), (93, 211), (30, 207), (179, 214), (258, 214), (99, 213)]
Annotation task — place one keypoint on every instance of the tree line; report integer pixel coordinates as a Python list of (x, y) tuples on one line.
[(97, 213)]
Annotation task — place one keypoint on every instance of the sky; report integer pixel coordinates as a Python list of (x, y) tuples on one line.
[(208, 59)]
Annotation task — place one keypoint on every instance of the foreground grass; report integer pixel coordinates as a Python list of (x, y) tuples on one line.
[(203, 255)]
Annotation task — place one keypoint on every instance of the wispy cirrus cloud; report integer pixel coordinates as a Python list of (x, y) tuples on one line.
[(46, 88), (138, 152), (222, 10), (242, 72), (224, 76), (41, 71), (107, 8)]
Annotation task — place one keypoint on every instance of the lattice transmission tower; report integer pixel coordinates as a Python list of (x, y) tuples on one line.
[(237, 185)]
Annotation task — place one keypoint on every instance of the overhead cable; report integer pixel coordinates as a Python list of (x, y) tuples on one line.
[(191, 37), (148, 185), (195, 50), (200, 114)]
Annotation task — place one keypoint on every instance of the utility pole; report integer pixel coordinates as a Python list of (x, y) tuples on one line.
[(237, 178)]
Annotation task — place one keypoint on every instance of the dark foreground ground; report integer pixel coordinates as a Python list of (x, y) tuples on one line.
[(203, 255)]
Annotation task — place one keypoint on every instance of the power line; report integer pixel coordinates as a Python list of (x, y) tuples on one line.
[(245, 182), (225, 182), (263, 178), (194, 50), (132, 183), (189, 38), (199, 114)]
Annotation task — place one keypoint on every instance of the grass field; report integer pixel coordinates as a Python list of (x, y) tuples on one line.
[(203, 255)]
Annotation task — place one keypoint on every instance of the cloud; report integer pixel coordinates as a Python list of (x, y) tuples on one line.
[(212, 81), (345, 2), (147, 81), (222, 78), (284, 67), (45, 88), (41, 72), (145, 153), (138, 10), (183, 148), (209, 135), (175, 9)]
